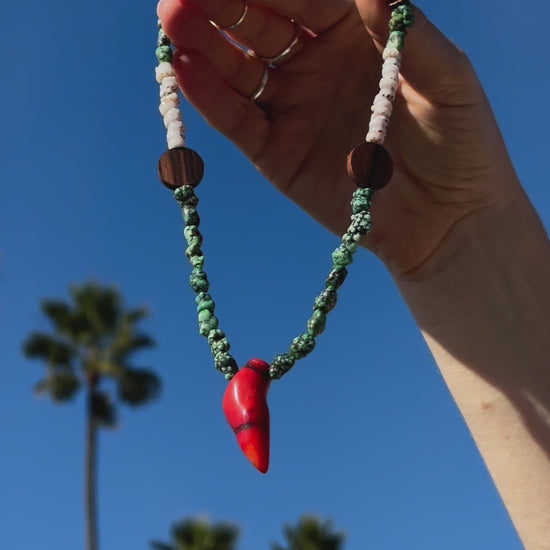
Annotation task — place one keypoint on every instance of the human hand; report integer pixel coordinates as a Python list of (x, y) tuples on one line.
[(450, 164)]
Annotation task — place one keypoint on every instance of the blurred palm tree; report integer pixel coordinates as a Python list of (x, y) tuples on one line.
[(198, 534), (93, 340), (310, 533)]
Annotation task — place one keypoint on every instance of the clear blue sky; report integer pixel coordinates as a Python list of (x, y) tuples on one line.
[(363, 430)]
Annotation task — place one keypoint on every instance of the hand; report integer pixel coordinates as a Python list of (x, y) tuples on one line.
[(450, 164)]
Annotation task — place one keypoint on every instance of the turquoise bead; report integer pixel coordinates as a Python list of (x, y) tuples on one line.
[(342, 256), (349, 241), (397, 40), (316, 323), (164, 54), (198, 281), (361, 200), (281, 364), (204, 301), (190, 215), (360, 223), (185, 196), (326, 301), (215, 336), (220, 346), (210, 323), (192, 235), (302, 345), (336, 277), (226, 364)]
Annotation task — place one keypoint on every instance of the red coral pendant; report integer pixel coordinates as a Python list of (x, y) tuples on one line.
[(245, 407)]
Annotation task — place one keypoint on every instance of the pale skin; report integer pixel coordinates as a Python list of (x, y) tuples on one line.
[(454, 227)]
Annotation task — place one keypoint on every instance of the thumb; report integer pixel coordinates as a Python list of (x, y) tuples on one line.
[(432, 65)]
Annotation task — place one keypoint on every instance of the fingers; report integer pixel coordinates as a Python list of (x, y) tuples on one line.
[(432, 65), (317, 16), (223, 108), (254, 26), (188, 29)]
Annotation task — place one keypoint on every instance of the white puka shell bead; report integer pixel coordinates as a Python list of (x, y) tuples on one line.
[(172, 115), (168, 85), (163, 70), (170, 101)]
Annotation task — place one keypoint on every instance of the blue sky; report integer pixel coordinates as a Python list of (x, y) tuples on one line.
[(363, 430)]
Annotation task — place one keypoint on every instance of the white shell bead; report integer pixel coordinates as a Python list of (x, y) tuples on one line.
[(171, 116), (163, 70), (175, 141), (390, 52), (170, 101)]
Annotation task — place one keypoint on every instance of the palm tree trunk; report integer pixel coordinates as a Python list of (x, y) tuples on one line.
[(90, 462)]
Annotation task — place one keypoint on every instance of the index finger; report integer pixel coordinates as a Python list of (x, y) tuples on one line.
[(316, 15)]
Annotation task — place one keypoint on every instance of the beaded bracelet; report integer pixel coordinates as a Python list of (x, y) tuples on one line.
[(181, 169)]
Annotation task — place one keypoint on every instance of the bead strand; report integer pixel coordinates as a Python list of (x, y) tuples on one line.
[(169, 99), (326, 300), (208, 322), (401, 19)]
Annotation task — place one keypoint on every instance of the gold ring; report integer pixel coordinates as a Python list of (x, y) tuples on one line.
[(233, 26), (255, 95), (285, 53)]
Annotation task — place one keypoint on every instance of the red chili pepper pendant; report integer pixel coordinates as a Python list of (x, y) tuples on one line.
[(245, 407)]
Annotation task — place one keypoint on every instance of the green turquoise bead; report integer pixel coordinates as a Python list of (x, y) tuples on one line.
[(302, 345), (281, 364), (209, 324), (361, 200), (205, 315), (215, 336), (360, 223), (192, 235), (199, 281), (164, 53), (342, 256), (397, 40), (349, 241), (197, 260), (326, 301), (226, 364), (194, 251), (336, 277), (220, 346), (185, 196), (162, 39), (204, 301), (190, 215), (316, 323)]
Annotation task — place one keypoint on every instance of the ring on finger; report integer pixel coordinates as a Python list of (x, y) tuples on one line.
[(289, 50), (234, 25), (255, 95)]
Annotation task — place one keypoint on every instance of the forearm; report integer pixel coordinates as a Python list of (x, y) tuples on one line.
[(485, 314)]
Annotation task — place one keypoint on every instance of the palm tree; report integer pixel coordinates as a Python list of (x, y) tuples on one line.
[(93, 341), (311, 534), (198, 534)]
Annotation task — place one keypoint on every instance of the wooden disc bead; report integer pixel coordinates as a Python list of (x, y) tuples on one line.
[(370, 165), (180, 166)]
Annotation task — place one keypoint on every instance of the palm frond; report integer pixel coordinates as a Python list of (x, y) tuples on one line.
[(138, 386), (49, 348)]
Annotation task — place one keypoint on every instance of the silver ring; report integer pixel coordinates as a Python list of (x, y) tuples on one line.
[(255, 95), (284, 54), (233, 26)]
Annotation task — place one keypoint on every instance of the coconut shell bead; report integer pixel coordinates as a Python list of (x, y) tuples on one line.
[(179, 167), (370, 165)]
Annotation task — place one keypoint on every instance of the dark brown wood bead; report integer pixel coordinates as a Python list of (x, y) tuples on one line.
[(180, 166), (370, 165)]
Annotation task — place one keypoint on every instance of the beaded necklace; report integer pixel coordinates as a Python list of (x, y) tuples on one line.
[(181, 169)]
